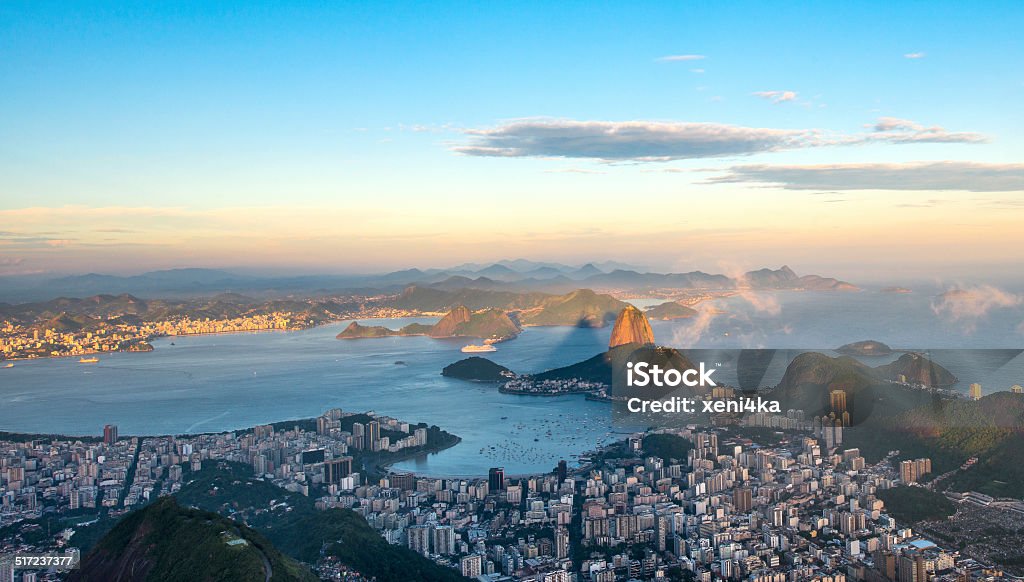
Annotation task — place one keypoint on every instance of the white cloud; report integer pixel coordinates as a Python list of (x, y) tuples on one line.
[(630, 140), (947, 175), (658, 141), (681, 58), (573, 171), (776, 96), (968, 305), (918, 55), (690, 334), (896, 130)]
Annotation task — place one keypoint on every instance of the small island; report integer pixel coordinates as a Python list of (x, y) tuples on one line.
[(477, 369), (670, 310), (865, 348)]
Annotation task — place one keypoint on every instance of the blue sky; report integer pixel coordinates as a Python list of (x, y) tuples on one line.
[(141, 136)]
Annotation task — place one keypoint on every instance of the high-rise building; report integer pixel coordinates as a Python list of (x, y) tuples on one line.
[(444, 540), (912, 470), (403, 481), (358, 436), (471, 565), (373, 435), (421, 436), (496, 479), (562, 471), (706, 444), (561, 543), (838, 400), (109, 434), (418, 537), (975, 391), (514, 494), (912, 568), (743, 499), (337, 469)]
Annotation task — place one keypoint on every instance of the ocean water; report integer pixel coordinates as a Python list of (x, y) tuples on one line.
[(226, 382)]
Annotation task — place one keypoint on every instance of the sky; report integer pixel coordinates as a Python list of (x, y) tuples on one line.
[(875, 141)]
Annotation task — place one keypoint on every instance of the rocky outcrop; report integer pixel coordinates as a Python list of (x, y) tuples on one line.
[(631, 327), (449, 323), (581, 308), (356, 331), (490, 324)]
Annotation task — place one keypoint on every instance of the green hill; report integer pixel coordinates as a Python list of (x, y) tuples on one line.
[(298, 529), (670, 310), (667, 446), (459, 322), (477, 369), (603, 367), (910, 505), (428, 299), (166, 542), (415, 329), (811, 376), (918, 369), (64, 323), (486, 324), (357, 331), (582, 308)]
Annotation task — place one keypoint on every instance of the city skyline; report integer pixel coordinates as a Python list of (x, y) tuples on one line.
[(867, 142)]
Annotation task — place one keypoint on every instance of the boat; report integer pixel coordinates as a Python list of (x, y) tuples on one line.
[(473, 349), (9, 365), (91, 360)]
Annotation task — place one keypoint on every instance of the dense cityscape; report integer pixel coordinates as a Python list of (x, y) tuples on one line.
[(77, 335), (678, 504)]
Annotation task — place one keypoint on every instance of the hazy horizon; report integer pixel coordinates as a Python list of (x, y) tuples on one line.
[(983, 273)]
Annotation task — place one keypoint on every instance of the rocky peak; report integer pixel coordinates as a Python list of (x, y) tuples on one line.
[(446, 327), (631, 327)]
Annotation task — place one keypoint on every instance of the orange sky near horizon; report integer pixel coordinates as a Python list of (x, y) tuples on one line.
[(872, 235)]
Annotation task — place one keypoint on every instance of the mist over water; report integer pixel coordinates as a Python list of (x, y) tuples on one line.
[(226, 382)]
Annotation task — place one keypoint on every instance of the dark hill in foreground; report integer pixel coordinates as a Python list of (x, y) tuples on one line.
[(300, 530), (811, 377), (603, 367), (917, 369), (167, 542)]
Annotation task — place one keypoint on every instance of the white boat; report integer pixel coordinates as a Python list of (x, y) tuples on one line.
[(473, 349)]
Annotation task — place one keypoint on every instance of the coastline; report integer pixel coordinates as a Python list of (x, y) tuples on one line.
[(354, 317)]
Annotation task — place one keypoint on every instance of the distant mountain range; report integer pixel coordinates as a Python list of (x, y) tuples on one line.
[(514, 275)]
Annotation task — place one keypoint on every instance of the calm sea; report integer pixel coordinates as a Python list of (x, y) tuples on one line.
[(226, 382)]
